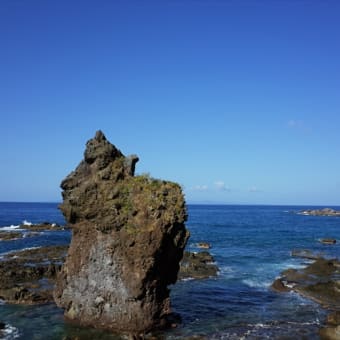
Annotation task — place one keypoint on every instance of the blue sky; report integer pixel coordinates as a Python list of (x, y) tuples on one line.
[(238, 101)]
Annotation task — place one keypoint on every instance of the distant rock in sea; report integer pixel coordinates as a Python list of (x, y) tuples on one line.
[(128, 237), (320, 212)]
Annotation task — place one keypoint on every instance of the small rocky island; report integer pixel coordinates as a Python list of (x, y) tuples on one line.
[(320, 212), (128, 237)]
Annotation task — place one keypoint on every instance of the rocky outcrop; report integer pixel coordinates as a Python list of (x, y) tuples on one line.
[(29, 230), (319, 282), (331, 331), (27, 276), (10, 235), (42, 227), (128, 236), (199, 265), (320, 212)]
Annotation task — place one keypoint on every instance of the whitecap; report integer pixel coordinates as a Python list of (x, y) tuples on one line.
[(187, 279), (10, 332), (11, 227), (253, 283), (27, 223)]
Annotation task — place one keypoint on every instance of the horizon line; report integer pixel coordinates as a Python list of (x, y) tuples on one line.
[(199, 203)]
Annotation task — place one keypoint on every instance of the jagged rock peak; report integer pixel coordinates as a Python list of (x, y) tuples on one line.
[(100, 148), (128, 239)]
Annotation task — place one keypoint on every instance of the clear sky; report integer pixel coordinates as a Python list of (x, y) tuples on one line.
[(238, 101)]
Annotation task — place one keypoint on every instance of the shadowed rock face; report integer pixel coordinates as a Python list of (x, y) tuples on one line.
[(128, 239)]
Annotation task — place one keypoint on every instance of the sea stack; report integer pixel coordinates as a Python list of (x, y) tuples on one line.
[(128, 237)]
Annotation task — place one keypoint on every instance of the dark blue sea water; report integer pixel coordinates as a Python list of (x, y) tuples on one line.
[(251, 245)]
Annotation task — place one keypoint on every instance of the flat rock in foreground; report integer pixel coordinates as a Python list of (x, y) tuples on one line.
[(27, 276), (319, 282), (128, 236)]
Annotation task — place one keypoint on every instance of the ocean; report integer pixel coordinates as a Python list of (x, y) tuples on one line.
[(251, 246)]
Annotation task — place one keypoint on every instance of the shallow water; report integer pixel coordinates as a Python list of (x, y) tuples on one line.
[(251, 245)]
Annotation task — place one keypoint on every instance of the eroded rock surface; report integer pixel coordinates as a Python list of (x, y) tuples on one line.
[(128, 239), (199, 265), (320, 282), (27, 276)]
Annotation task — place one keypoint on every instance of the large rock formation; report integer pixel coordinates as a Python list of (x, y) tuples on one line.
[(127, 242)]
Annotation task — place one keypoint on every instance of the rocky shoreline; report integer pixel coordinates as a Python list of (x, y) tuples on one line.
[(318, 281), (28, 276), (29, 230)]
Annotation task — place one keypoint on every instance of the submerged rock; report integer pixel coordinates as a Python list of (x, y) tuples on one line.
[(305, 254), (128, 236)]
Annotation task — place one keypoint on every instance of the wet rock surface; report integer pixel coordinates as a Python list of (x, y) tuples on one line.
[(27, 277), (10, 235), (331, 331), (320, 282), (197, 265), (29, 230), (43, 227), (128, 236)]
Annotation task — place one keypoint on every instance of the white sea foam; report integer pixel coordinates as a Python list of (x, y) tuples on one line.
[(226, 271), (256, 283), (11, 227), (2, 255), (187, 279), (26, 223), (10, 332)]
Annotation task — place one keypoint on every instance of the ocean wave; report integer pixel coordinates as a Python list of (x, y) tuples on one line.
[(16, 227), (269, 330), (24, 222), (10, 228), (10, 332), (226, 271), (2, 255), (256, 283)]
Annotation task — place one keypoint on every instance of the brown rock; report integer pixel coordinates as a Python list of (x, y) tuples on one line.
[(328, 241), (128, 239), (333, 319), (204, 245), (10, 235), (279, 286), (42, 227), (27, 277), (197, 266), (318, 281), (330, 333)]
